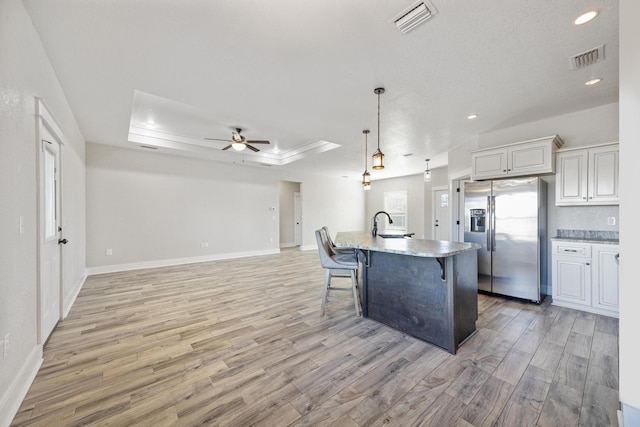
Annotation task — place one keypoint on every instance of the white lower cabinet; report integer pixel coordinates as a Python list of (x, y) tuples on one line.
[(585, 276)]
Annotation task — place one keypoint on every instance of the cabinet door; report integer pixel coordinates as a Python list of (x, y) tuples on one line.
[(531, 158), (572, 279), (603, 175), (571, 179), (605, 277), (489, 163)]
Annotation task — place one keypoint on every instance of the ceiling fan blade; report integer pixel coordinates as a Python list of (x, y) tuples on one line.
[(217, 139), (258, 142), (227, 147), (252, 148)]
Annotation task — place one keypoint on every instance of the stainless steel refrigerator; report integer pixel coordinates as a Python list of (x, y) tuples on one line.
[(508, 218)]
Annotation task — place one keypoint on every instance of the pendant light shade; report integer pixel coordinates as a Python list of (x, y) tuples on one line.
[(427, 172), (378, 157), (366, 176)]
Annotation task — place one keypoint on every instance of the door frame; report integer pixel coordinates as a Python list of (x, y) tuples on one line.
[(456, 203), (45, 120), (297, 218)]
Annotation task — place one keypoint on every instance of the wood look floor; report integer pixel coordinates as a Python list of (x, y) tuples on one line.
[(241, 342)]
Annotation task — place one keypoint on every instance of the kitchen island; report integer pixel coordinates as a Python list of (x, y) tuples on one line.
[(425, 288)]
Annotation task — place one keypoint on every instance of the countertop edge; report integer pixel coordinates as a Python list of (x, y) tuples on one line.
[(410, 247)]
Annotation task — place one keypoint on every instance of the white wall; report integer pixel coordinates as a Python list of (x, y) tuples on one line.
[(415, 186), (337, 203), (26, 73), (155, 209), (586, 127), (629, 231)]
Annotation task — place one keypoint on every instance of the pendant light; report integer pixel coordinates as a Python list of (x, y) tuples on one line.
[(366, 176), (427, 172), (378, 157)]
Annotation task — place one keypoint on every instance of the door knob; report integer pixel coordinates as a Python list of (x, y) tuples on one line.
[(63, 241)]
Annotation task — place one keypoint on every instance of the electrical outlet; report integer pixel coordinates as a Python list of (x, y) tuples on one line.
[(108, 252), (611, 220), (21, 221), (204, 244)]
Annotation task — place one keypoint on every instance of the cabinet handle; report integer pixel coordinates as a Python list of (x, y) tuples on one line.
[(584, 198), (587, 263), (504, 170), (617, 258)]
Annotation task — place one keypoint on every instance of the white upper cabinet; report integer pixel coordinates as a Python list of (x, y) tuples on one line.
[(523, 158), (588, 176)]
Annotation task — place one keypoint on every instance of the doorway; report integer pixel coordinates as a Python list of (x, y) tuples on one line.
[(441, 221), (290, 202), (49, 234)]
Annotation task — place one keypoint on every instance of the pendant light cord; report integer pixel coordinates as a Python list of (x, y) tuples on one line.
[(378, 121)]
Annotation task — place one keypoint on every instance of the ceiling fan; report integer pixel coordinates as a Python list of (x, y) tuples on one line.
[(239, 142)]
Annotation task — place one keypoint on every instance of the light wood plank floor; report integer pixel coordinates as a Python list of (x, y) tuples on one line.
[(241, 342)]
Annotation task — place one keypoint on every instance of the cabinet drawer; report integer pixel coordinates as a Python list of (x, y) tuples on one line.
[(572, 249)]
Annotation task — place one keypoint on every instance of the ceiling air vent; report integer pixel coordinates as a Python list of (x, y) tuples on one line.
[(148, 147), (587, 58), (414, 16)]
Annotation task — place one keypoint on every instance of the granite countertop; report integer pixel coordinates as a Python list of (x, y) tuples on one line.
[(403, 246), (587, 236), (586, 240)]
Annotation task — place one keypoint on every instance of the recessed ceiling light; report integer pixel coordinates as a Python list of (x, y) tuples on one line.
[(472, 116), (593, 81), (407, 155), (150, 124), (586, 17)]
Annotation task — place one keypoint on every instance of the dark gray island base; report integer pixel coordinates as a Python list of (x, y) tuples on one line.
[(425, 288)]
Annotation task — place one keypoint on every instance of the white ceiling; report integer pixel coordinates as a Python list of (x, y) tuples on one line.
[(302, 73)]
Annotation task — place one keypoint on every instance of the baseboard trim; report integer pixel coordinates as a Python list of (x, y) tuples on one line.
[(288, 245), (586, 308), (176, 261), (68, 303), (308, 247), (15, 394)]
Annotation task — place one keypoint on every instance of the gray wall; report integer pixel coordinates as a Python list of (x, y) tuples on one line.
[(25, 74)]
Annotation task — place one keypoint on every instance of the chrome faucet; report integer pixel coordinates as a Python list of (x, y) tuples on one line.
[(374, 221)]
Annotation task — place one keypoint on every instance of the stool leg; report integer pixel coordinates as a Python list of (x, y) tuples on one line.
[(327, 282), (356, 297)]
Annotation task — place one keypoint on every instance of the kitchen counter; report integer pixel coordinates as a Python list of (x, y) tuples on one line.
[(587, 240), (425, 288), (404, 246), (587, 236)]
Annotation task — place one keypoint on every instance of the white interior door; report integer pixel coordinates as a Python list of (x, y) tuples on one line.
[(297, 216), (441, 222), (50, 228)]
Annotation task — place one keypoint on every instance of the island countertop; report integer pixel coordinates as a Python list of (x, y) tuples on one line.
[(404, 246)]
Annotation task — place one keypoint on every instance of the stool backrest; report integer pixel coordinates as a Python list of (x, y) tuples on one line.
[(323, 248)]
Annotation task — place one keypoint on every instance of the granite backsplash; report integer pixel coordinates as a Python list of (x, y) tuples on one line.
[(588, 234)]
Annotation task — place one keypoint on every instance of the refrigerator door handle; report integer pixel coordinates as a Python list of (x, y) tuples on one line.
[(493, 223), (488, 224)]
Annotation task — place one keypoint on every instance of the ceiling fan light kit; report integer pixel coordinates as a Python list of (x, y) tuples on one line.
[(378, 156), (239, 142)]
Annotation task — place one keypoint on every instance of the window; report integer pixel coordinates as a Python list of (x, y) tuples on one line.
[(395, 203)]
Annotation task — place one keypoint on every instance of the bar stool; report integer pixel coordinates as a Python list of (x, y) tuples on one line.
[(334, 249), (337, 265)]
